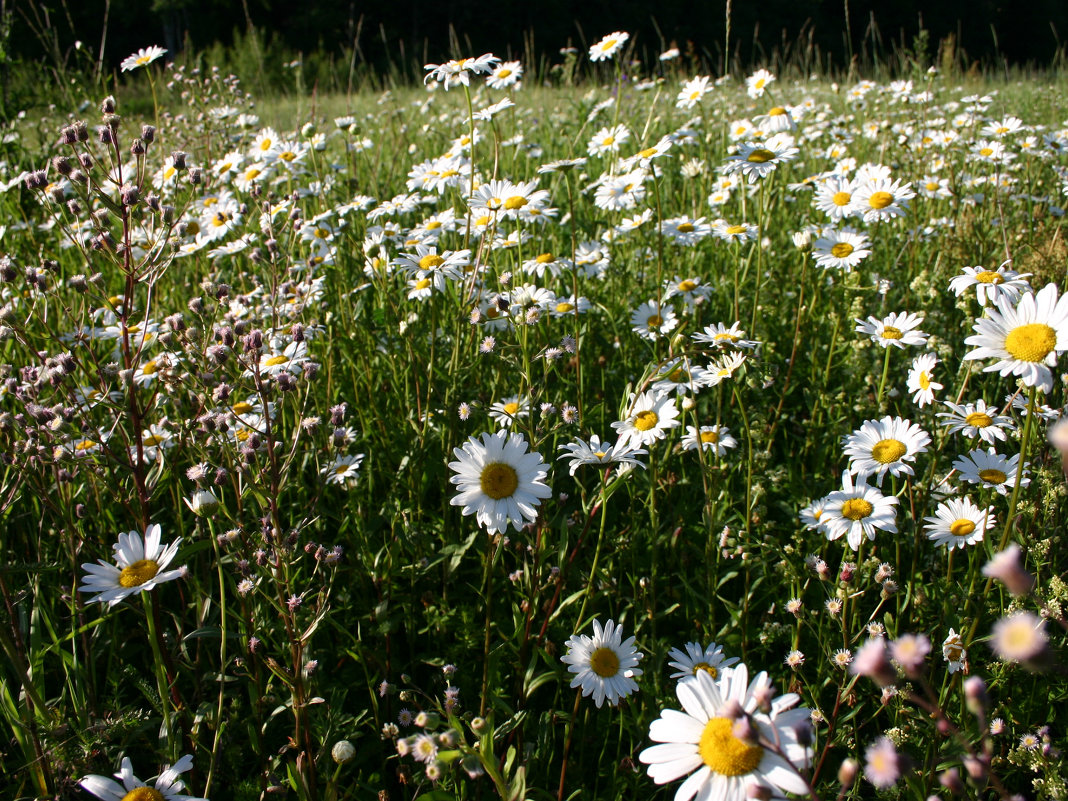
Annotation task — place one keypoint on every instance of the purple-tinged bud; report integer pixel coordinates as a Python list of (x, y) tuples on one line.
[(148, 134), (129, 194), (137, 147), (178, 158), (107, 106)]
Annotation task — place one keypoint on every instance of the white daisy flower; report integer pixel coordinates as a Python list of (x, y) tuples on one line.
[(721, 758), (977, 419), (137, 568), (608, 47), (842, 250), (717, 439), (167, 786), (885, 446), (1025, 339), (991, 285), (991, 470), (651, 415), (142, 58), (498, 481), (604, 665), (921, 381), (600, 453), (696, 659), (958, 522), (344, 470), (897, 329), (857, 512)]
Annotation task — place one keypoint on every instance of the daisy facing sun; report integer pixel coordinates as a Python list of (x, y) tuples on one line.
[(604, 665), (139, 566)]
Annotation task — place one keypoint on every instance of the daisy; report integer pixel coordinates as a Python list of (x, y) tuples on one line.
[(508, 411), (142, 58), (498, 481), (842, 250), (898, 329), (693, 91), (756, 83), (456, 71), (600, 453), (739, 232), (693, 291), (834, 197), (139, 565), (882, 199), (921, 382), (703, 743), (710, 438), (651, 319), (678, 375), (991, 285), (505, 75), (1024, 339), (167, 786), (607, 48), (721, 336), (977, 419), (604, 665), (991, 470), (695, 659), (756, 160), (344, 470), (1019, 637), (857, 512), (607, 140), (885, 446), (958, 522), (723, 368), (953, 651), (812, 515), (685, 230), (649, 418)]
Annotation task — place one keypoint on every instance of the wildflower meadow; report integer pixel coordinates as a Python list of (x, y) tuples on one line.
[(649, 434)]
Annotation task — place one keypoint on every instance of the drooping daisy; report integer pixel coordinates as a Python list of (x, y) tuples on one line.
[(650, 416), (139, 565), (991, 285), (921, 382), (600, 453), (604, 665), (842, 250), (953, 651), (885, 446), (457, 71), (607, 48), (812, 515), (958, 522), (166, 787), (498, 481), (717, 439), (142, 58), (719, 370), (695, 659), (1025, 339), (857, 511), (977, 419), (991, 470), (897, 329), (703, 740)]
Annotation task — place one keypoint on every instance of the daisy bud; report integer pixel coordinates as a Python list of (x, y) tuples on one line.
[(68, 136), (107, 105), (178, 159), (478, 725), (744, 730), (195, 175), (61, 164), (203, 503), (129, 194), (847, 773), (137, 147), (148, 134), (103, 133), (86, 161), (847, 572), (343, 751)]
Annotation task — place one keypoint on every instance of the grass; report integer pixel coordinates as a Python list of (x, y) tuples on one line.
[(247, 361)]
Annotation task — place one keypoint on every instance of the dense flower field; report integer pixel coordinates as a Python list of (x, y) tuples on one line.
[(670, 438)]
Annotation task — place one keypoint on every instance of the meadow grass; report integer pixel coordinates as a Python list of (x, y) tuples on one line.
[(351, 368)]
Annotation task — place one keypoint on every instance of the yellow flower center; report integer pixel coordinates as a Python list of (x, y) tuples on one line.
[(599, 454), (511, 408), (979, 419), (989, 277), (725, 754), (241, 407), (648, 152), (430, 261), (143, 794), (481, 221), (515, 202), (422, 283), (841, 249), (986, 151), (709, 436), (734, 230), (643, 421), (151, 440), (545, 258), (886, 451), (889, 332), (251, 174), (608, 141), (687, 285), (778, 111), (880, 200), (962, 527), (433, 225), (654, 320), (857, 509), (842, 198), (931, 186), (1032, 342), (707, 668), (604, 662), (136, 574), (274, 361), (685, 228), (265, 144), (760, 155), (85, 445), (992, 476), (925, 381), (504, 72), (149, 367), (288, 155), (498, 480), (564, 307)]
